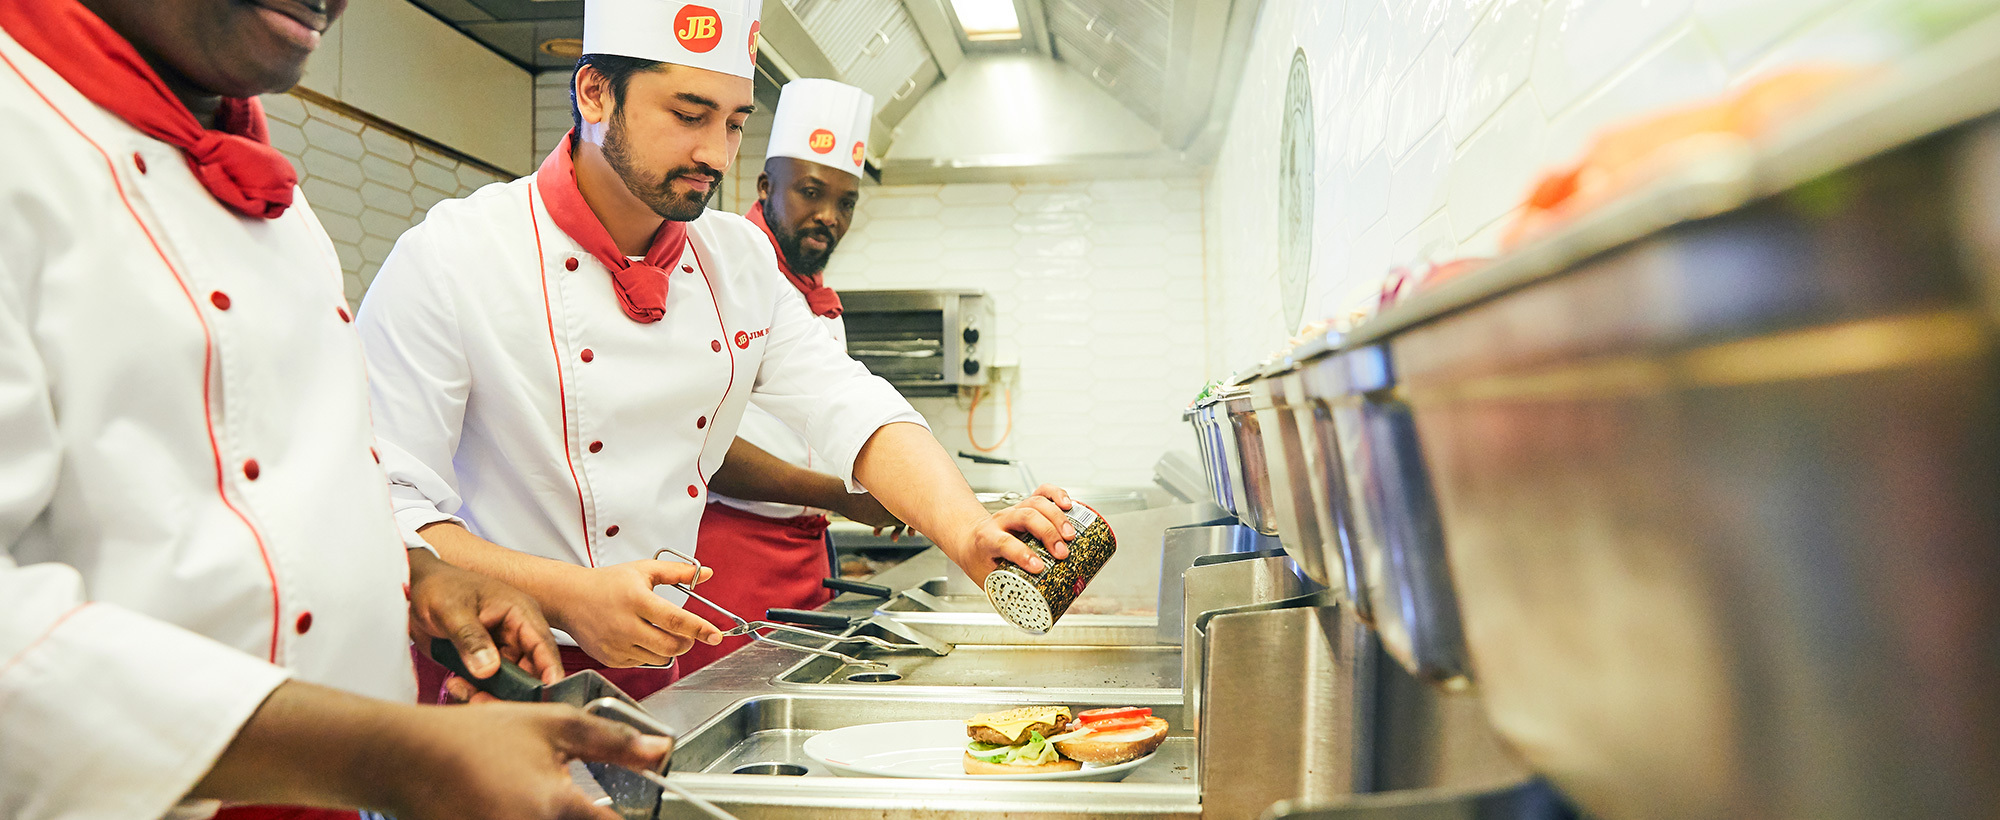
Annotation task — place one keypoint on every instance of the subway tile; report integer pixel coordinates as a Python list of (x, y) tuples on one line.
[(975, 194), (1459, 18), (957, 261), (985, 237), (1418, 185), (1052, 247), (437, 176), (332, 139), (970, 216), (901, 229), (1584, 42), (911, 250), (329, 197), (332, 167), (1132, 190), (283, 108), (386, 199), (1053, 223), (1129, 213), (1495, 60), (1686, 70), (388, 172), (383, 224), (1746, 29), (1368, 123), (1369, 191), (1492, 172), (1051, 202), (880, 192), (880, 205), (1417, 104)]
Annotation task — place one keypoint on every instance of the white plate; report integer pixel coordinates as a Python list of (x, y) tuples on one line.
[(925, 748)]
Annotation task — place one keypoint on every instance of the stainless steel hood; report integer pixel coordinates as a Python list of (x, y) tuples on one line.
[(1093, 88)]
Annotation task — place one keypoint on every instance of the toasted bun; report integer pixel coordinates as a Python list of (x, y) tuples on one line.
[(1108, 748), (974, 765)]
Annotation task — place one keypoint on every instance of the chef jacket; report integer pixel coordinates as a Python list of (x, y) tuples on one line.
[(518, 399), (189, 510), (771, 434)]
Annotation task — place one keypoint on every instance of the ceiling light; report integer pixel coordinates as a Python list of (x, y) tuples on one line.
[(568, 48), (988, 19)]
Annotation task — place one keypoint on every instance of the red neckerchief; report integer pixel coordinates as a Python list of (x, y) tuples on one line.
[(641, 286), (819, 297), (236, 163)]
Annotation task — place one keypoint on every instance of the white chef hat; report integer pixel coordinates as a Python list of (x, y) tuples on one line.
[(823, 121), (718, 35)]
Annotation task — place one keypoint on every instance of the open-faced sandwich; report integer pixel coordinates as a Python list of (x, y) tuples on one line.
[(1037, 739)]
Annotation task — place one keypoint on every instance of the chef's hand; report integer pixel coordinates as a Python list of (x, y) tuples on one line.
[(472, 610), (1039, 515), (510, 761), (862, 508), (615, 616)]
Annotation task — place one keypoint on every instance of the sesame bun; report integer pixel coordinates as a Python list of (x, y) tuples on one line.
[(1110, 748)]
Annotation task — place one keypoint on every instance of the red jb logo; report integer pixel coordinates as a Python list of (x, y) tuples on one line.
[(743, 340), (859, 154), (821, 141), (698, 28), (755, 27)]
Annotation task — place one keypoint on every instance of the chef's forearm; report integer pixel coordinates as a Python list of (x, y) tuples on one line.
[(912, 476), (751, 474), (545, 580), (310, 745)]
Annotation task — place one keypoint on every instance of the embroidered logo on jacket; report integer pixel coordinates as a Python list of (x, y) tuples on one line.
[(743, 338)]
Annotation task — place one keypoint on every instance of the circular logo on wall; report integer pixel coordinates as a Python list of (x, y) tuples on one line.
[(698, 28), (821, 141), (1295, 193), (860, 155)]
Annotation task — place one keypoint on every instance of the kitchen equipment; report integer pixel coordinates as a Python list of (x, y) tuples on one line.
[(1244, 439), (1314, 389), (1392, 514), (1065, 672), (927, 749), (1526, 799), (1217, 442), (1724, 497), (1181, 477), (1020, 466), (1274, 393), (1220, 582), (924, 342), (1180, 547), (757, 629), (1035, 601), (912, 637), (631, 791)]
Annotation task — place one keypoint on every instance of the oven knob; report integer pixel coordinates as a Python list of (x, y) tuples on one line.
[(972, 335), (971, 367)]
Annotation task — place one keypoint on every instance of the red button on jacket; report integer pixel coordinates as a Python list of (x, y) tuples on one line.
[(251, 470)]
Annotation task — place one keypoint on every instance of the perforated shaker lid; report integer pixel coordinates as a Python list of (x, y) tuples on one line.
[(1019, 601)]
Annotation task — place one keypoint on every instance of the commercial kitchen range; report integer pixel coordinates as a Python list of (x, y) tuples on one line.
[(1688, 510)]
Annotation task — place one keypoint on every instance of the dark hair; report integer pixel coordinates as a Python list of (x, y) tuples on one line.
[(616, 68)]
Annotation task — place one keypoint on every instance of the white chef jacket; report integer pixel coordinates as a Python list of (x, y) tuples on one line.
[(152, 594), (517, 398), (774, 436)]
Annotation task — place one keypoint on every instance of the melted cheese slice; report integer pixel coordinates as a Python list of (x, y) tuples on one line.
[(1013, 724)]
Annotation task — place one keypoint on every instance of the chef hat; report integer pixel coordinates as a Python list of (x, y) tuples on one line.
[(823, 121), (718, 35)]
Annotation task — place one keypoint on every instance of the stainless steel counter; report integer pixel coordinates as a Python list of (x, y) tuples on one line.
[(735, 712)]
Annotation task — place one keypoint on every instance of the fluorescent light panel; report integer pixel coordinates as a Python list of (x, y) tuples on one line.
[(988, 19)]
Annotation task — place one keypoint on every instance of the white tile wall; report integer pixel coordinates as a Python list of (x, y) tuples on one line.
[(1097, 287), (367, 185), (1434, 116)]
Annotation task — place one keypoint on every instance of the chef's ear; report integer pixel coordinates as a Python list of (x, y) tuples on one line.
[(763, 185), (594, 100)]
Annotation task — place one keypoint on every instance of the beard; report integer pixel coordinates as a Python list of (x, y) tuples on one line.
[(803, 262), (658, 195)]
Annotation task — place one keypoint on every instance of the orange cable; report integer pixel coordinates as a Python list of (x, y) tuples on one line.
[(969, 411)]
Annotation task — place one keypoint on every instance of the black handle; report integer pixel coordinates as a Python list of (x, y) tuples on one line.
[(510, 683), (979, 459), (807, 617), (844, 585)]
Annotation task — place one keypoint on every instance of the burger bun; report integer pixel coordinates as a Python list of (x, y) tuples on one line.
[(974, 765), (1111, 748)]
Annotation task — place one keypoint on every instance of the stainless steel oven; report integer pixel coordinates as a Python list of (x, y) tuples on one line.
[(925, 342)]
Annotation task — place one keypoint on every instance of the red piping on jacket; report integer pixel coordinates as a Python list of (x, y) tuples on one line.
[(699, 474), (562, 394), (207, 356)]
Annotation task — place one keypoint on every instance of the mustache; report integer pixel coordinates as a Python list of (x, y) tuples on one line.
[(713, 177)]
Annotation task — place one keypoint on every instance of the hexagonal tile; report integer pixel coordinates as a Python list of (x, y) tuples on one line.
[(1052, 247), (1053, 201), (976, 194), (437, 176), (1053, 223), (383, 225), (892, 207), (341, 228), (912, 250), (388, 146), (474, 178), (375, 249), (283, 108), (388, 200), (387, 172), (333, 139), (424, 196), (331, 198), (976, 216), (901, 229), (332, 167), (289, 139)]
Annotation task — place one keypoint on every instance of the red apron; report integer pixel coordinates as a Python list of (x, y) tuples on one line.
[(760, 563), (637, 681)]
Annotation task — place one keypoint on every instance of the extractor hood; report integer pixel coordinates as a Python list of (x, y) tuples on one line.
[(1092, 88)]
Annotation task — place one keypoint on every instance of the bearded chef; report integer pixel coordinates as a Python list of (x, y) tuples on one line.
[(203, 596), (769, 554), (559, 363)]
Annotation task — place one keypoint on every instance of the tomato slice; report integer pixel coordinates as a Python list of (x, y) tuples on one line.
[(1118, 724), (1093, 716)]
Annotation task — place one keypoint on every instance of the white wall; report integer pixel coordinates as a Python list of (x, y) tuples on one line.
[(1097, 290), (1434, 116), (395, 61)]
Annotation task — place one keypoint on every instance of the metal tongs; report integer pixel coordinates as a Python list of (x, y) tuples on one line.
[(632, 791), (757, 630)]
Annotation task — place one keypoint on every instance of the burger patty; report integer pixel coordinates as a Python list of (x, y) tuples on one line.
[(986, 734)]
